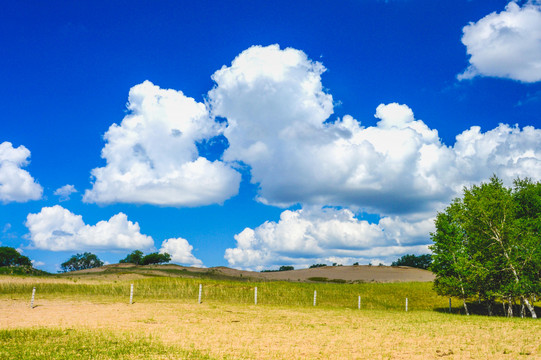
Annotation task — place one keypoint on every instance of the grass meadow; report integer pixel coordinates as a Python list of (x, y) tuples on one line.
[(89, 318), (374, 296)]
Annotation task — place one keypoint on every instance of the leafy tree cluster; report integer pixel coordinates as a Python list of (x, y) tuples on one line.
[(11, 257), (317, 265), (487, 246), (421, 261), (81, 261), (138, 258)]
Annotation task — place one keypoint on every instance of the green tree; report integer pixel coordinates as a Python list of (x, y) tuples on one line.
[(81, 261), (155, 258), (488, 243), (136, 257), (11, 257), (421, 261), (451, 261)]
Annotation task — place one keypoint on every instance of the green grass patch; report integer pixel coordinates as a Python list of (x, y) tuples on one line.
[(67, 344), (382, 296)]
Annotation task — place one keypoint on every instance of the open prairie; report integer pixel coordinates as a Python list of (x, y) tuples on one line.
[(92, 319)]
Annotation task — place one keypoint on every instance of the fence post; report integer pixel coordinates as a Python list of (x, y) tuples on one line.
[(406, 304), (32, 300), (131, 294), (359, 303), (450, 308), (200, 291), (315, 296), (255, 295)]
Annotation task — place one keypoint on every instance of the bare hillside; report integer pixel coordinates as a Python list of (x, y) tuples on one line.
[(361, 273)]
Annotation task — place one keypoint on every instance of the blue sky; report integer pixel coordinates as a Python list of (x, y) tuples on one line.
[(292, 133)]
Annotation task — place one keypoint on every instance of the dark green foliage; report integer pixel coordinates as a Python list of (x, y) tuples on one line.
[(155, 258), (81, 261), (135, 257), (286, 268), (317, 265), (421, 261), (282, 268), (11, 257), (487, 245)]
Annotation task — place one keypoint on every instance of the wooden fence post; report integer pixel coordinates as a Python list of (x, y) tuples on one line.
[(406, 304), (200, 291), (131, 294), (359, 303), (255, 295), (315, 296), (32, 300)]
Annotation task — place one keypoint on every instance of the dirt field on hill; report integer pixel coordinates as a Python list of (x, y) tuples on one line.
[(363, 273), (349, 273)]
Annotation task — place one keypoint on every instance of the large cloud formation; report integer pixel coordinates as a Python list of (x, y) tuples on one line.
[(58, 229), (328, 235), (16, 184), (279, 124), (506, 44), (152, 155)]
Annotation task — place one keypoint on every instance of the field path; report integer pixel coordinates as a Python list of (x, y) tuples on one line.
[(267, 332)]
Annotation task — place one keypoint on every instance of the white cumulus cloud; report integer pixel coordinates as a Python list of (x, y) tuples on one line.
[(16, 184), (152, 155), (65, 192), (506, 44), (279, 125), (37, 263), (180, 251), (328, 235), (58, 229)]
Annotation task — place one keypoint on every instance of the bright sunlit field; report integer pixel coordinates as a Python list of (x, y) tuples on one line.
[(92, 319)]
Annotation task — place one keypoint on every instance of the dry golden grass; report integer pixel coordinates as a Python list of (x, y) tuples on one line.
[(279, 332)]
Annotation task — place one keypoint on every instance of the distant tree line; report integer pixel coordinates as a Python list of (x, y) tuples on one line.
[(282, 268), (88, 260), (420, 261), (138, 258), (81, 262), (487, 246)]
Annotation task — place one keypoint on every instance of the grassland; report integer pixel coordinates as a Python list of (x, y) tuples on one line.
[(67, 344), (89, 318), (388, 296)]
